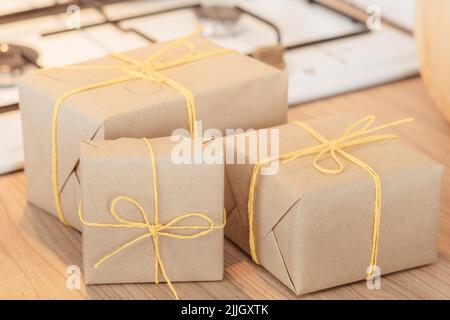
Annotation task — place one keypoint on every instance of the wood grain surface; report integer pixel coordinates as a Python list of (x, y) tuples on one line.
[(35, 249)]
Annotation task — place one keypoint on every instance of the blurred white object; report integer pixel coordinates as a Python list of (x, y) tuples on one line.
[(11, 150), (12, 6), (8, 96), (65, 48), (69, 47), (350, 64), (297, 20)]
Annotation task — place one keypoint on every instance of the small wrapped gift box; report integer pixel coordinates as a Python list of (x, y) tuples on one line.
[(147, 218), (147, 92), (341, 201)]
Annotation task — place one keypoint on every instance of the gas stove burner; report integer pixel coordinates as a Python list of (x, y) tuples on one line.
[(219, 20), (14, 61)]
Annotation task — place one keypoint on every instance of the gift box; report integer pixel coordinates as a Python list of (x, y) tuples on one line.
[(146, 217), (147, 92), (341, 201)]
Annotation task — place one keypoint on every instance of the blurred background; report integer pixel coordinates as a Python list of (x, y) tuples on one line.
[(328, 47)]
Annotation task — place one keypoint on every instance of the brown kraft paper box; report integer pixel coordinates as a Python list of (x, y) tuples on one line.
[(314, 230), (123, 168), (230, 90)]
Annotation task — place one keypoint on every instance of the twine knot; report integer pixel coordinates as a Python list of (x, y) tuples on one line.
[(358, 133), (170, 55), (155, 229)]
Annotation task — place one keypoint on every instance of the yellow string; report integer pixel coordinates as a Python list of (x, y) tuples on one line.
[(155, 229), (355, 134), (148, 69)]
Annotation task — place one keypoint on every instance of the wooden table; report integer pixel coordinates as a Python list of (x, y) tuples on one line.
[(36, 250)]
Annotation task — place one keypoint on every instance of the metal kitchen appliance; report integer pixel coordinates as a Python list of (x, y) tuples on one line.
[(324, 51)]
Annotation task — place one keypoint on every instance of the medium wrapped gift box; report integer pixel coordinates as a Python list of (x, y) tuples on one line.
[(315, 223), (137, 217), (147, 92)]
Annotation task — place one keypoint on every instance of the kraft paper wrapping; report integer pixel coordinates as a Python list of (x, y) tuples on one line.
[(123, 167), (231, 91), (314, 231)]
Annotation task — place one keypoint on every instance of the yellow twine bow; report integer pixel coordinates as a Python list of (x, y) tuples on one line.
[(355, 134), (134, 69), (155, 229)]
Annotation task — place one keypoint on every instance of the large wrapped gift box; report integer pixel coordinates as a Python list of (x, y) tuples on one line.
[(118, 214), (314, 230), (147, 92)]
